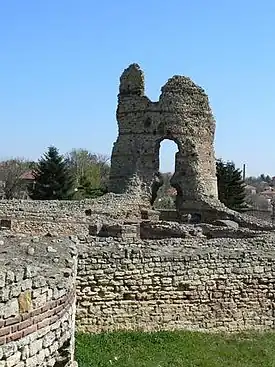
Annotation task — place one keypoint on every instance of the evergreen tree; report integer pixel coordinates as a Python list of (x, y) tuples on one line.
[(53, 180), (230, 186)]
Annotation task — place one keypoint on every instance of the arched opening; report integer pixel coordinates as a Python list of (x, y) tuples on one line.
[(164, 195)]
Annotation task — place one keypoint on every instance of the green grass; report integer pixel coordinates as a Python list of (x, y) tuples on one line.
[(175, 349)]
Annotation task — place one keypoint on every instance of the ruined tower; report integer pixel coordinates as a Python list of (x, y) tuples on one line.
[(182, 115)]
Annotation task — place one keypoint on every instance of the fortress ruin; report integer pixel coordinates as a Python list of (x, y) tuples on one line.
[(183, 115), (115, 263)]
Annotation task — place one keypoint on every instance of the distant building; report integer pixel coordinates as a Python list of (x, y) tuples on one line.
[(27, 178), (268, 193), (250, 190)]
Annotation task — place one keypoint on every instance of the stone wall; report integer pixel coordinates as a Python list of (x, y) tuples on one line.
[(67, 217), (198, 284), (169, 215), (43, 217), (37, 301), (182, 114), (38, 208), (45, 226), (261, 214), (131, 275)]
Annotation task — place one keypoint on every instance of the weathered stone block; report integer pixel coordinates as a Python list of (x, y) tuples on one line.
[(25, 301)]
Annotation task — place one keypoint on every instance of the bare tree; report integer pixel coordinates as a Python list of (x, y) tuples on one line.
[(11, 172)]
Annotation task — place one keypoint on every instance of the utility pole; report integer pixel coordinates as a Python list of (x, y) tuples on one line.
[(244, 172), (273, 211)]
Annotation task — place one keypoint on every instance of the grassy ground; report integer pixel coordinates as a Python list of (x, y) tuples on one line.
[(175, 349)]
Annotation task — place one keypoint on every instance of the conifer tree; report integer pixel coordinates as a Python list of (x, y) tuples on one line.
[(53, 180), (230, 186)]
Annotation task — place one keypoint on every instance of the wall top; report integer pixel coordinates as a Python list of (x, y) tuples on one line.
[(132, 81)]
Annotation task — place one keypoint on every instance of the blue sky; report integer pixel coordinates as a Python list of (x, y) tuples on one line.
[(60, 62)]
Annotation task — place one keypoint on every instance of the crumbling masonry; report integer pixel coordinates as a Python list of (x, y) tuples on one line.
[(183, 115), (112, 264)]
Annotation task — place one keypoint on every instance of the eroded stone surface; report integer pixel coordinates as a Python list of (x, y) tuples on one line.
[(183, 115), (205, 268)]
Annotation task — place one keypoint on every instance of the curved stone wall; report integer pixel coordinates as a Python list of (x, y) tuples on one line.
[(37, 301)]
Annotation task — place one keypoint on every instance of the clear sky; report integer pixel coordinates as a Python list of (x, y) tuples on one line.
[(60, 62)]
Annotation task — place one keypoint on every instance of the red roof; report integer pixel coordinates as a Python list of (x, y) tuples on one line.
[(28, 175), (172, 191)]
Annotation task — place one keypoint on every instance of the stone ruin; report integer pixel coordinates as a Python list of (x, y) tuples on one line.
[(115, 263), (183, 115)]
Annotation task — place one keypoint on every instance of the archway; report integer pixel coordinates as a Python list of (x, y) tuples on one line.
[(163, 193)]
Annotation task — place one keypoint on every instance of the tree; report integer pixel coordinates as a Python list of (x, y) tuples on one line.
[(79, 161), (86, 189), (230, 185), (11, 172), (91, 172), (265, 178), (53, 180)]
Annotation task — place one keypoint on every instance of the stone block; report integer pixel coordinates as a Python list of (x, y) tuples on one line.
[(13, 360), (25, 301), (11, 308), (35, 347), (226, 223)]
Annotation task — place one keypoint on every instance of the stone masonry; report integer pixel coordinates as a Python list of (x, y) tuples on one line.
[(37, 301), (196, 284), (183, 115), (147, 275), (123, 267)]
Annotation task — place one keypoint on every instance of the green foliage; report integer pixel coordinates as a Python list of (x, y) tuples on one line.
[(53, 180), (230, 185), (88, 189), (90, 171), (175, 349)]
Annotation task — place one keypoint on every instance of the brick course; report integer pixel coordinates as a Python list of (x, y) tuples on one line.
[(37, 301)]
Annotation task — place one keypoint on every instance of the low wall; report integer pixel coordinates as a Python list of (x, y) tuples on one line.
[(169, 215), (37, 301), (198, 284), (42, 207), (42, 217), (43, 226), (260, 214), (109, 206)]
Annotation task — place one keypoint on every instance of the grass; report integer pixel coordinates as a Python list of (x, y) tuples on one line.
[(175, 349)]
